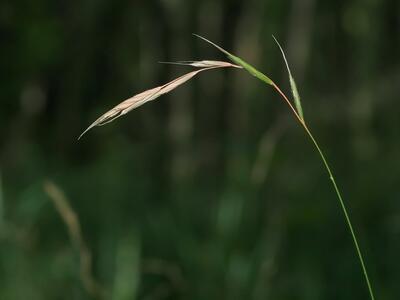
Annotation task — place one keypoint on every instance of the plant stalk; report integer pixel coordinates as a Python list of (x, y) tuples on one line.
[(338, 194)]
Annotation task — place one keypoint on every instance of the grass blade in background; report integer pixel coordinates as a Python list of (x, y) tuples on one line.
[(71, 221), (127, 270)]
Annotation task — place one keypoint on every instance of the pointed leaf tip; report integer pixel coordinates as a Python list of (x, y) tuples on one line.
[(293, 86), (215, 45), (237, 60)]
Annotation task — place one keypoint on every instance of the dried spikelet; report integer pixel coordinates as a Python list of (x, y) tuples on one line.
[(202, 63), (149, 95)]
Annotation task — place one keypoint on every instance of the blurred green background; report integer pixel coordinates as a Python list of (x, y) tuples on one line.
[(212, 191)]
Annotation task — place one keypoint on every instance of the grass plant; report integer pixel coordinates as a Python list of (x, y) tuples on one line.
[(295, 107)]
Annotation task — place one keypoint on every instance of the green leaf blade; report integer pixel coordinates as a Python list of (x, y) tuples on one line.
[(249, 68), (237, 60)]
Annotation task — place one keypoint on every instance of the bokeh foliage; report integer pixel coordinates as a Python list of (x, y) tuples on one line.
[(211, 192)]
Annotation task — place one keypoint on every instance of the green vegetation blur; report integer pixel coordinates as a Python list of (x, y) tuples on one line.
[(212, 191)]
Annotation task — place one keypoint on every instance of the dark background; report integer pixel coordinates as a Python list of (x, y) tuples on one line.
[(212, 191)]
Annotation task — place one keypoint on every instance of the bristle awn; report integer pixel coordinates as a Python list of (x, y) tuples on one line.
[(202, 63)]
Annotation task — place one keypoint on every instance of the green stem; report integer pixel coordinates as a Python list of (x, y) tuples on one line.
[(339, 196), (344, 209)]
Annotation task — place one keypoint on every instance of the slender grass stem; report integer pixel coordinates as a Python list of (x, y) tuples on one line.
[(338, 194)]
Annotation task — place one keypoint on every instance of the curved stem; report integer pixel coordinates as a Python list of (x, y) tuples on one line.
[(338, 194)]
